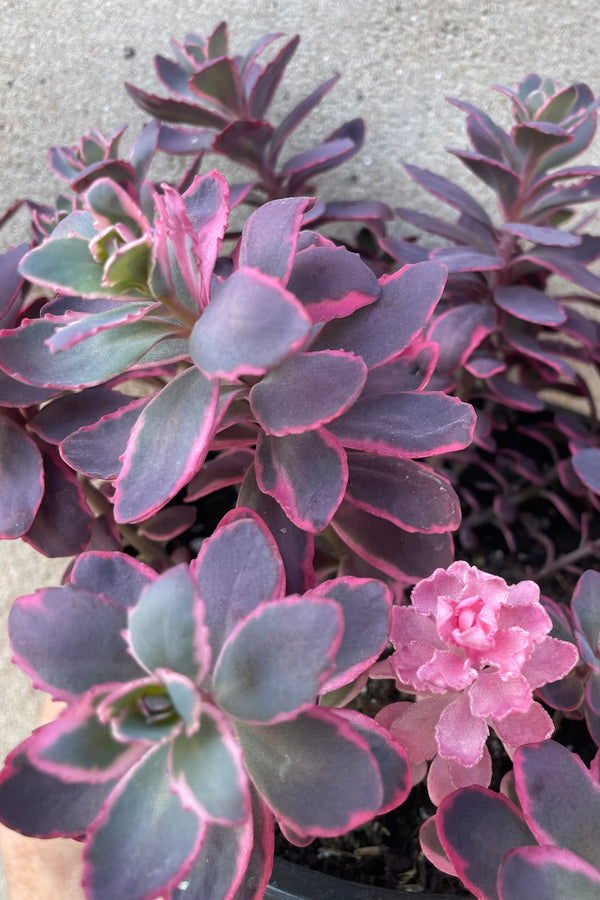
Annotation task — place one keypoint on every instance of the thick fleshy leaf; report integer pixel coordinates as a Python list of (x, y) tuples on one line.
[(37, 804), (466, 259), (63, 522), (547, 873), (383, 329), (14, 393), (586, 614), (270, 235), (166, 627), (495, 174), (406, 425), (142, 710), (101, 357), (120, 576), (167, 445), (530, 304), (66, 264), (69, 412), (514, 395), (21, 479), (564, 811), (476, 853), (291, 121), (569, 262), (164, 842), (228, 468), (410, 371), (553, 237), (366, 605), (295, 546), (458, 332), (307, 390), (81, 329), (96, 450), (432, 847), (450, 193), (331, 283), (252, 324), (208, 771), (78, 747), (586, 463), (398, 553), (306, 473), (315, 772), (237, 569), (407, 493), (12, 282), (70, 640), (168, 110), (255, 685)]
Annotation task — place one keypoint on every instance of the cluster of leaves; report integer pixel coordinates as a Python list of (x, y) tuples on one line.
[(509, 343), (150, 356)]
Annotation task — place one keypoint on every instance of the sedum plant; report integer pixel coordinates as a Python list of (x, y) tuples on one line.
[(190, 717)]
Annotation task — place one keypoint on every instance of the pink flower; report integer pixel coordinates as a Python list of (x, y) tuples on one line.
[(472, 649)]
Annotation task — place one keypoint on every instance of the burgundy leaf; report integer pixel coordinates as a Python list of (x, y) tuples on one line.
[(121, 576), (245, 142), (270, 235), (62, 524), (306, 391), (267, 82), (55, 421), (331, 283), (495, 174), (306, 473), (514, 395), (380, 331), (403, 491), (586, 463), (21, 479), (11, 283), (406, 425), (553, 237), (168, 110), (228, 468), (160, 460), (569, 262), (466, 259), (252, 324), (410, 371), (96, 450), (297, 114), (217, 81), (402, 555), (70, 640), (450, 193), (164, 842), (340, 146), (169, 522), (207, 212), (547, 873), (530, 304)]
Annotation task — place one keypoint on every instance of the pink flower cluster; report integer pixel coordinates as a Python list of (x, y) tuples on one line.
[(472, 650)]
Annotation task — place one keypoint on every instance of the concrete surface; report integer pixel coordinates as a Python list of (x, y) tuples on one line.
[(62, 65)]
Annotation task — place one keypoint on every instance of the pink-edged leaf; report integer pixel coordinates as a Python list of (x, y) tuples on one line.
[(291, 121), (173, 76), (69, 412), (409, 494), (160, 460), (96, 450), (586, 463), (476, 853), (21, 479), (530, 347), (142, 710), (245, 142), (78, 747), (295, 546), (380, 331), (267, 82), (184, 696), (306, 391), (69, 640), (530, 304), (166, 627), (564, 811), (11, 283), (168, 110), (450, 193), (432, 847), (332, 283), (164, 842), (120, 576), (111, 204), (217, 81), (255, 685), (305, 473), (449, 230), (406, 425), (344, 787), (14, 393), (447, 775), (390, 756), (366, 605), (400, 554), (466, 259), (207, 771), (553, 237), (495, 174), (547, 873), (169, 522), (228, 468), (101, 357), (514, 395), (586, 615), (484, 366), (65, 264), (568, 262), (62, 525), (238, 568), (207, 211), (459, 331), (57, 808), (310, 162), (270, 235), (410, 371), (260, 863), (252, 324)]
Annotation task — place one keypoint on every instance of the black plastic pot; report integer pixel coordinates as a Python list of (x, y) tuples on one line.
[(292, 882)]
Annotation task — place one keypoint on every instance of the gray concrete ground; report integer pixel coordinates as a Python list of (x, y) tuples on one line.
[(62, 65)]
